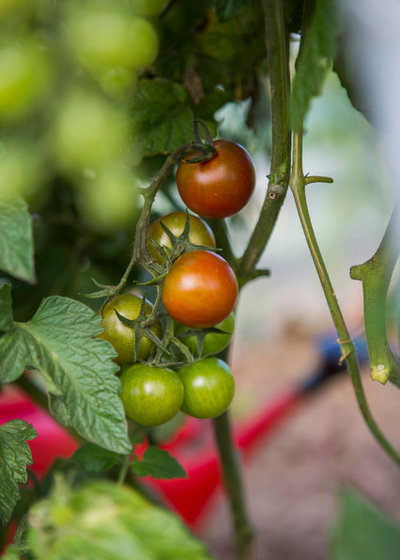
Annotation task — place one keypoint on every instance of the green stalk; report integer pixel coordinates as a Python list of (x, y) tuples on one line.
[(297, 185), (233, 483), (277, 40)]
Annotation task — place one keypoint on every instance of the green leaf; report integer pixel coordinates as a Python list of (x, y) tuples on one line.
[(16, 243), (105, 521), (15, 456), (94, 459), (363, 532), (13, 552), (314, 60), (228, 8), (6, 317), (158, 463), (77, 368), (161, 117)]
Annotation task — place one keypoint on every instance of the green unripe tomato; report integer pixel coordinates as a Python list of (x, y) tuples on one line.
[(25, 77), (149, 8), (109, 200), (200, 233), (151, 396), (119, 82), (88, 132), (209, 388), (121, 336), (104, 35), (213, 343)]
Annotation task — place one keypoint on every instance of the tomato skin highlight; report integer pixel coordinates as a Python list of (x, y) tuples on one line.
[(151, 395), (221, 186), (200, 233), (200, 290), (121, 336), (209, 388)]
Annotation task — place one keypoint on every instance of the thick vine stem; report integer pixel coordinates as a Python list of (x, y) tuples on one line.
[(297, 185), (233, 482), (277, 39), (375, 275)]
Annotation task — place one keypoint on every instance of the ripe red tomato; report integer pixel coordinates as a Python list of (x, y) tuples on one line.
[(209, 388), (221, 186), (151, 395), (121, 336), (200, 290), (200, 233)]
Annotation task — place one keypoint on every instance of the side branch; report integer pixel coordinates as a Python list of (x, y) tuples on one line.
[(278, 61)]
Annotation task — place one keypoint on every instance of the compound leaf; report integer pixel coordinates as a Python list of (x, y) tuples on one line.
[(314, 60), (158, 463), (6, 322), (16, 243), (15, 456), (77, 368), (161, 116)]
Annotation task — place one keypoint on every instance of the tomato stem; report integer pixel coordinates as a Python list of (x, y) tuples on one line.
[(297, 185), (277, 39)]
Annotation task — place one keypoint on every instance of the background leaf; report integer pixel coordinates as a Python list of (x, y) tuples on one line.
[(228, 8), (363, 532), (15, 456), (6, 322), (16, 244), (314, 60), (78, 369), (161, 116), (158, 463), (105, 521)]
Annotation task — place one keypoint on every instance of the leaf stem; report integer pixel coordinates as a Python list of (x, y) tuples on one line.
[(126, 461), (297, 185), (277, 39)]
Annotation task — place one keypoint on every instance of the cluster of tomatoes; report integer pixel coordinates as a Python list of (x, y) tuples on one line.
[(199, 292)]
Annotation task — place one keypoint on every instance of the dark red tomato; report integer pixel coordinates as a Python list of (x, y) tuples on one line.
[(221, 186), (200, 233), (200, 290)]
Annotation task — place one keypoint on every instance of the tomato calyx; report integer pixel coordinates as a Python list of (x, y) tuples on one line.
[(205, 146), (180, 244), (142, 326)]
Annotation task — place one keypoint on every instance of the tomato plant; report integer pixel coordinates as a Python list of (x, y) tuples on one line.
[(219, 187), (151, 395), (121, 336), (200, 290), (209, 388), (213, 342), (200, 233)]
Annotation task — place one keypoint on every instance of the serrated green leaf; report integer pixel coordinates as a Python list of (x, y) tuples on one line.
[(363, 532), (6, 316), (94, 459), (105, 521), (315, 59), (16, 243), (15, 456), (161, 116), (158, 463), (228, 8), (78, 369)]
